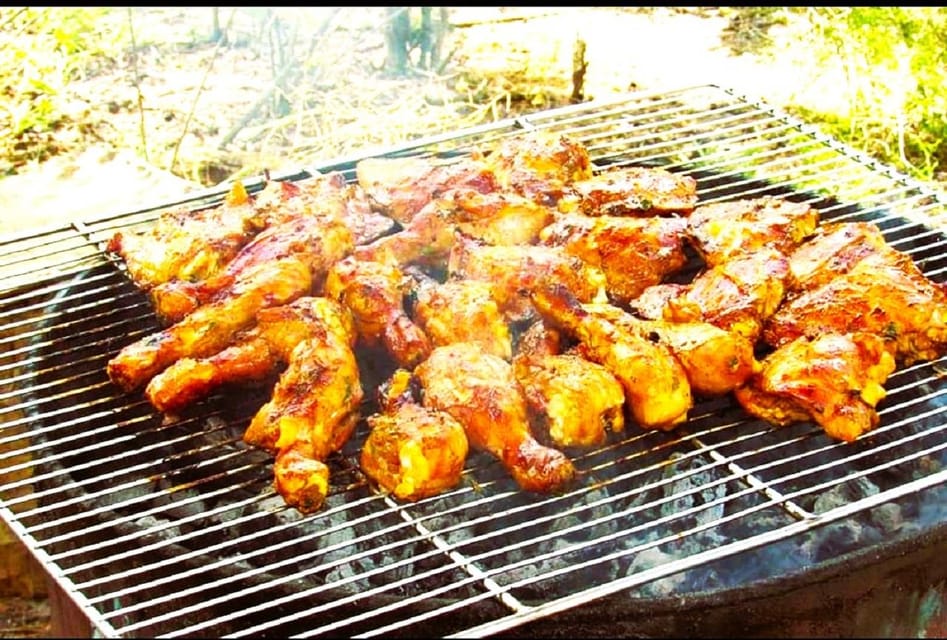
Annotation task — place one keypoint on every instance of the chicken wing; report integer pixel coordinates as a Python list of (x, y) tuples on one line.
[(213, 326), (188, 245), (835, 380), (631, 191), (633, 253), (318, 241), (716, 361), (738, 296), (374, 292), (463, 311), (655, 383), (479, 390), (412, 451), (576, 402), (311, 413), (515, 271), (722, 231)]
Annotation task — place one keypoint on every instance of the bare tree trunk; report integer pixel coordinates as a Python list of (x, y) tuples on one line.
[(397, 36), (579, 66)]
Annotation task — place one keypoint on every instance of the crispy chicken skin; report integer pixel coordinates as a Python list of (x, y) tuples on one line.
[(494, 218), (574, 401), (538, 339), (833, 250), (515, 271), (480, 391), (539, 166), (716, 361), (412, 451), (213, 326), (835, 380), (631, 191), (188, 245), (311, 413), (319, 241), (256, 355), (401, 187), (633, 253), (374, 292), (463, 311), (722, 231), (739, 295), (655, 383), (884, 293)]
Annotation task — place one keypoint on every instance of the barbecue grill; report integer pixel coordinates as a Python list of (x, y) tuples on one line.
[(726, 525)]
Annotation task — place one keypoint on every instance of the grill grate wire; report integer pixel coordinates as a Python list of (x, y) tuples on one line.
[(171, 527)]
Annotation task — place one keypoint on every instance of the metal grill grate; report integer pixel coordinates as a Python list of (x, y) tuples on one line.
[(172, 528)]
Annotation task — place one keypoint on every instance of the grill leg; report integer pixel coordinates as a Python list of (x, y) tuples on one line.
[(66, 620)]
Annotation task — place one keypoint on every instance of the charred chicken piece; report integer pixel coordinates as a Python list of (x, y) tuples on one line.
[(312, 412), (574, 401), (213, 326), (480, 391), (494, 218), (835, 380), (255, 356), (412, 451), (538, 340), (463, 311), (833, 250), (738, 295), (401, 187), (716, 361), (631, 191), (317, 240), (374, 293), (722, 231), (188, 245), (884, 293), (538, 165), (655, 383), (515, 271), (633, 253)]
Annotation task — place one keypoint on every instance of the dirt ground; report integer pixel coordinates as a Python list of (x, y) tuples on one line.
[(197, 93)]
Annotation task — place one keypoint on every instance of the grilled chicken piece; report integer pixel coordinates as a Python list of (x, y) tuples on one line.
[(716, 361), (324, 195), (317, 240), (633, 253), (188, 245), (256, 355), (374, 292), (213, 326), (738, 296), (576, 402), (655, 383), (631, 191), (835, 249), (723, 231), (835, 380), (402, 187), (884, 293), (538, 165), (479, 390), (312, 412), (463, 311), (494, 218), (412, 451), (539, 339), (515, 271)]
